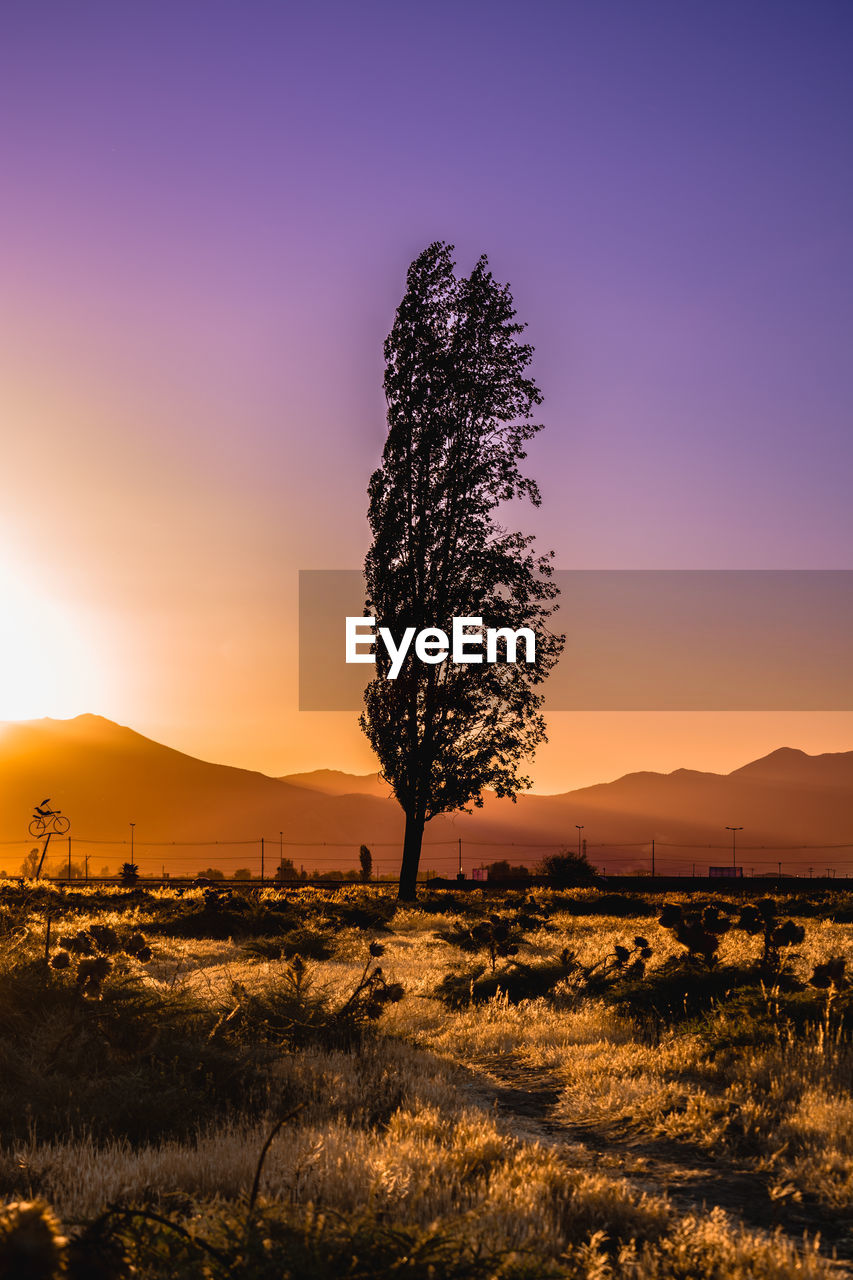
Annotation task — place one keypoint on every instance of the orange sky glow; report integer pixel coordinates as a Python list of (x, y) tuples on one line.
[(213, 673)]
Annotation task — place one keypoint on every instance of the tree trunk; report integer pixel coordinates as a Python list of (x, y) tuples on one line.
[(412, 841)]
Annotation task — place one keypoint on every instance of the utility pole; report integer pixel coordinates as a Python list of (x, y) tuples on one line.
[(580, 829), (733, 830), (43, 854), (262, 860), (132, 825)]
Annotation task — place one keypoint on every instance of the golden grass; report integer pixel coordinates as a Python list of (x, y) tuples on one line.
[(404, 1128)]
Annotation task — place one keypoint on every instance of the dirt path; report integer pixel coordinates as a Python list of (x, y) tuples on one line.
[(689, 1176)]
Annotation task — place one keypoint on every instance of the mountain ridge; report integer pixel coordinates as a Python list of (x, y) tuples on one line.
[(106, 776)]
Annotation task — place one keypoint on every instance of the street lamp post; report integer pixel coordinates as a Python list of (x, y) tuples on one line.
[(733, 830), (579, 826)]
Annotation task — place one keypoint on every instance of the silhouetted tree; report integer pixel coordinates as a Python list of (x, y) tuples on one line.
[(286, 870), (129, 873), (504, 870), (365, 861), (567, 869), (30, 865), (459, 409)]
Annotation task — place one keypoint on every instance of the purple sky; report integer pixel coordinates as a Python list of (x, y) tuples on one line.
[(207, 212)]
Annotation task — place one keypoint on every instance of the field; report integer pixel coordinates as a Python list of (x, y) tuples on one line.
[(315, 1084)]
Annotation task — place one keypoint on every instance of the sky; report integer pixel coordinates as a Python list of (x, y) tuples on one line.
[(207, 213)]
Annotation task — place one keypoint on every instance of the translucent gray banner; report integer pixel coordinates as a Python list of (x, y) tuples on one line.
[(641, 640)]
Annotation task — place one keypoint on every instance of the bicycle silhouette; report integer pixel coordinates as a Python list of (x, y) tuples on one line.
[(48, 822)]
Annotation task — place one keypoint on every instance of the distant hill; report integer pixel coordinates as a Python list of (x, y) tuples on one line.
[(333, 782), (191, 814), (105, 776), (789, 767)]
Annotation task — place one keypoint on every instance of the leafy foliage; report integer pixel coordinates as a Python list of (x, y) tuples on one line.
[(310, 944), (700, 929), (222, 913), (690, 985), (563, 979), (291, 1009), (503, 870), (498, 935), (567, 869), (762, 918), (91, 1043)]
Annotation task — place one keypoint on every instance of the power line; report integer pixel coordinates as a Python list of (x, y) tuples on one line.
[(254, 842)]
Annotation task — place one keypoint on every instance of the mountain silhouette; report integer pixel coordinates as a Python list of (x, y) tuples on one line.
[(334, 782), (190, 814)]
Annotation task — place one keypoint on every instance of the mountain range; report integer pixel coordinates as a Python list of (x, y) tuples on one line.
[(189, 814)]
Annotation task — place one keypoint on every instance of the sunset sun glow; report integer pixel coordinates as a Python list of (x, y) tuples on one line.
[(47, 667)]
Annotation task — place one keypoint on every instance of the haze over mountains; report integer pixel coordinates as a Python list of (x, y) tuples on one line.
[(190, 814), (334, 782)]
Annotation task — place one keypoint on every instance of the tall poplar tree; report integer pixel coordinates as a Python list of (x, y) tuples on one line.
[(460, 408)]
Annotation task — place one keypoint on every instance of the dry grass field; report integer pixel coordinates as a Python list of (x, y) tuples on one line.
[(315, 1084)]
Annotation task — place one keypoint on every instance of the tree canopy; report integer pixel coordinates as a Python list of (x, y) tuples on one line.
[(460, 406)]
